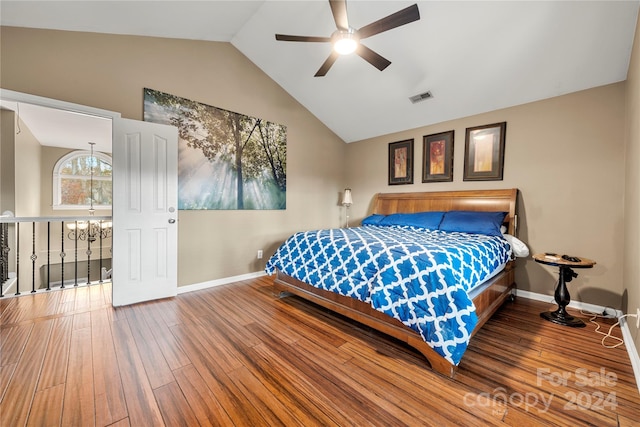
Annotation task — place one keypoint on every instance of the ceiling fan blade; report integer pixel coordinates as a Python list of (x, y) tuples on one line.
[(339, 10), (394, 20), (327, 64), (372, 58), (286, 38)]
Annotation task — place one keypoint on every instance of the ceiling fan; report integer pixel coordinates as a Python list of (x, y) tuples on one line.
[(346, 40)]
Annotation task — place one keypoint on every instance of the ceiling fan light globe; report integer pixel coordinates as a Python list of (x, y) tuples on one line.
[(345, 46)]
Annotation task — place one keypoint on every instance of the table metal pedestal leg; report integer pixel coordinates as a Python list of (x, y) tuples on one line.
[(562, 297)]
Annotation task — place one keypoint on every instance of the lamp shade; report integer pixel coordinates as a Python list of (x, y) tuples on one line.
[(346, 197)]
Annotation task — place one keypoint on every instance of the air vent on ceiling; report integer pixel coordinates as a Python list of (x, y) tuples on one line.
[(420, 97)]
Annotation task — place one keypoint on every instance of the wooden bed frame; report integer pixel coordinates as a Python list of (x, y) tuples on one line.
[(498, 290)]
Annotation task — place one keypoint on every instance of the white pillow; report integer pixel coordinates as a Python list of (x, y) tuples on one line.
[(518, 247)]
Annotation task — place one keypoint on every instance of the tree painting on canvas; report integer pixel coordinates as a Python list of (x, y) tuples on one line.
[(226, 160)]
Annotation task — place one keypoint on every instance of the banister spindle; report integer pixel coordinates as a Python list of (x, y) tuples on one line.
[(48, 255), (62, 255), (17, 258), (34, 257)]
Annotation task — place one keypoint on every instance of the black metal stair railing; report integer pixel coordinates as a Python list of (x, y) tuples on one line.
[(4, 254), (49, 235)]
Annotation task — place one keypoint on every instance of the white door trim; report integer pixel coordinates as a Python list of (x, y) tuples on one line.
[(12, 96)]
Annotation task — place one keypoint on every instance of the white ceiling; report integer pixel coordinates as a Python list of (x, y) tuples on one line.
[(474, 56), (60, 128)]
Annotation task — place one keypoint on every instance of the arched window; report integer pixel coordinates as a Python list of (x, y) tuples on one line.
[(73, 185)]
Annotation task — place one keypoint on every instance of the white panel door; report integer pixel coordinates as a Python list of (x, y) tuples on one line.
[(145, 198)]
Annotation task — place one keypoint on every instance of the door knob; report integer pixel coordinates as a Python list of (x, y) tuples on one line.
[(171, 220)]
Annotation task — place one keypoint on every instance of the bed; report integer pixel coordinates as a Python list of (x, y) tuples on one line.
[(481, 302)]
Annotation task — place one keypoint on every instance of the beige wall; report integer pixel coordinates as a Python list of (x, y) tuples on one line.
[(7, 174), (631, 255), (565, 154), (110, 72), (7, 161), (27, 173), (49, 158)]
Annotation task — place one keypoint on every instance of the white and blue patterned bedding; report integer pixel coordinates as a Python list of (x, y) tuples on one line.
[(417, 276)]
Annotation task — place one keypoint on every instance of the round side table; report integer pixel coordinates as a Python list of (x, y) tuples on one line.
[(566, 274)]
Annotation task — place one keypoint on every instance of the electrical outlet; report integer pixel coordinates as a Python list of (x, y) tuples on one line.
[(259, 253)]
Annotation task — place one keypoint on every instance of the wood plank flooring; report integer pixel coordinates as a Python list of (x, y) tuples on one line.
[(236, 355)]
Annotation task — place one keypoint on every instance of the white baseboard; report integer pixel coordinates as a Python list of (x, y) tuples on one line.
[(7, 288), (631, 349), (219, 282), (592, 308)]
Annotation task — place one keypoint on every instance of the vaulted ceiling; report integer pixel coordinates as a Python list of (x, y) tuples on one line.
[(473, 56)]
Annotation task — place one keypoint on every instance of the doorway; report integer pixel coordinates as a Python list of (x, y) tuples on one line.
[(146, 245)]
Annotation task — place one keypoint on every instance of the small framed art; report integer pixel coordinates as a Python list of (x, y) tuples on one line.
[(437, 157), (484, 152), (401, 162)]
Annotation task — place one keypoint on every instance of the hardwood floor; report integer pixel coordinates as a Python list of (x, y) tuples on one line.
[(235, 355)]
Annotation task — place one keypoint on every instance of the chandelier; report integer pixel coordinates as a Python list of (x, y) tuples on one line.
[(91, 230)]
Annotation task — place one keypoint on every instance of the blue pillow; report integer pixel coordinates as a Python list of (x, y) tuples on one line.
[(473, 222), (372, 219), (428, 220)]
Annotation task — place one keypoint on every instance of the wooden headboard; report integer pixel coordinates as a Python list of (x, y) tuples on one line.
[(471, 200)]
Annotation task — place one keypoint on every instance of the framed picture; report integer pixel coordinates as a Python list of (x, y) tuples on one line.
[(437, 157), (401, 162), (484, 152)]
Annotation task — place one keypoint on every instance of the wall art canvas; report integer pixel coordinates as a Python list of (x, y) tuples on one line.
[(226, 160)]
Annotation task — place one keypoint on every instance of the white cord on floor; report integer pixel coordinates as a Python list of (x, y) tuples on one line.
[(608, 334), (593, 316)]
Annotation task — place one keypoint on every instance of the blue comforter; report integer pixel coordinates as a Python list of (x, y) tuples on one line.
[(417, 276)]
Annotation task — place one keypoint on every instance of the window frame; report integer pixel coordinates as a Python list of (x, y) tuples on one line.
[(57, 177)]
